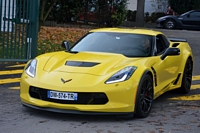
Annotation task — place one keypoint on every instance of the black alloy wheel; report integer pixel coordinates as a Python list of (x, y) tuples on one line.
[(169, 24), (187, 77), (144, 97)]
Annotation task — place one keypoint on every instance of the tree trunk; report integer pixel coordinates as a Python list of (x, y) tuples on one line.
[(140, 13), (86, 12), (43, 14)]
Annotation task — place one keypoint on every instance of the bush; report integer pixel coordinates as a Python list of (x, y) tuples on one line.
[(131, 15), (50, 38), (147, 18), (156, 15), (119, 14)]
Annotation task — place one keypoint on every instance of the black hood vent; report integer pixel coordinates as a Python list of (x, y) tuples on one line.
[(81, 64)]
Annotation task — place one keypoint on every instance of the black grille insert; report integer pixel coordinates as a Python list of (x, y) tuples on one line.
[(83, 97)]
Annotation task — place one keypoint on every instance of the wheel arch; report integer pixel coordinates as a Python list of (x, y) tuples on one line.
[(185, 53), (186, 79), (175, 22), (150, 74), (153, 75), (189, 56), (137, 111), (192, 60)]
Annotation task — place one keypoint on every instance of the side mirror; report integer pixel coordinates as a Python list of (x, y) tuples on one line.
[(66, 45), (170, 52)]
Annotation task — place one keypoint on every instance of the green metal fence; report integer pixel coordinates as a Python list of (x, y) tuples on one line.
[(19, 29)]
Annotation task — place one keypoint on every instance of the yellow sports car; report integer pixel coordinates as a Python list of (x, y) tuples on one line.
[(108, 71)]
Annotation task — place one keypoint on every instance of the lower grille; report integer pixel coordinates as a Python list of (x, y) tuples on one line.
[(83, 97)]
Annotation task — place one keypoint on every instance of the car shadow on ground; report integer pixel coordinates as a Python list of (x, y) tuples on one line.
[(164, 101)]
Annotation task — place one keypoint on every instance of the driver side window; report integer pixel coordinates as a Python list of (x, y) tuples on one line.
[(160, 44)]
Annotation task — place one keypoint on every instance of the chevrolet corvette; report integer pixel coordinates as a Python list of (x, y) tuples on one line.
[(108, 71)]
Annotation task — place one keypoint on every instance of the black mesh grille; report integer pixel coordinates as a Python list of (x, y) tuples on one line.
[(83, 98)]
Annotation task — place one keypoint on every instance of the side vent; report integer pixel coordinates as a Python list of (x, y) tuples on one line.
[(175, 45), (155, 76), (177, 79)]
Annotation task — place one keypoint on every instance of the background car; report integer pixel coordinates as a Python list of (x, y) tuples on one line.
[(95, 14), (108, 71), (188, 20)]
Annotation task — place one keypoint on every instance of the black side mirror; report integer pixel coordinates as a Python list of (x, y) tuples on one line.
[(66, 45), (170, 52)]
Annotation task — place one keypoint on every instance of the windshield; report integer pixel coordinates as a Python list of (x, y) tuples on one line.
[(131, 45), (185, 13)]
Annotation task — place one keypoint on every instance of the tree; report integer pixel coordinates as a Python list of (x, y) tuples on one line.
[(64, 11), (45, 8), (182, 6), (140, 13), (101, 12), (120, 12)]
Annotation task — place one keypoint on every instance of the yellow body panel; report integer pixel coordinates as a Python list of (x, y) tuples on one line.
[(122, 95)]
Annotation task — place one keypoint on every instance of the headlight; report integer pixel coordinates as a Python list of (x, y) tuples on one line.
[(122, 75), (31, 68)]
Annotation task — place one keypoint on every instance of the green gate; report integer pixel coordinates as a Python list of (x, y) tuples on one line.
[(19, 29)]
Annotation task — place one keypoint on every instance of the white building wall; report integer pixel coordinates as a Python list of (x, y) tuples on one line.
[(150, 5), (132, 5), (156, 6)]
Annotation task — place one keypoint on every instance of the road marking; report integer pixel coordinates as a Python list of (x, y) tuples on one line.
[(19, 65), (10, 72), (187, 98), (197, 77), (14, 88), (190, 97), (10, 80), (193, 87)]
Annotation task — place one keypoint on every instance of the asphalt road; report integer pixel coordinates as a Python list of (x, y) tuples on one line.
[(171, 113)]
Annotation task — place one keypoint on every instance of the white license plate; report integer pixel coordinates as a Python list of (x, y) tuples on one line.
[(62, 95)]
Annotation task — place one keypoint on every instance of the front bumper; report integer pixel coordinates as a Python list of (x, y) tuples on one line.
[(121, 97)]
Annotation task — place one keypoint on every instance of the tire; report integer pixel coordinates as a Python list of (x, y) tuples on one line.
[(144, 98), (187, 77), (169, 24)]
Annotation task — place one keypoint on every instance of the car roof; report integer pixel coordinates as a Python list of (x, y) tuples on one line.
[(128, 30), (197, 10)]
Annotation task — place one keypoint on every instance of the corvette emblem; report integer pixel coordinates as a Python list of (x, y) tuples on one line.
[(65, 81)]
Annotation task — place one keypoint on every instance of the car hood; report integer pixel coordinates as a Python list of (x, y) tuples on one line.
[(168, 16), (87, 62)]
